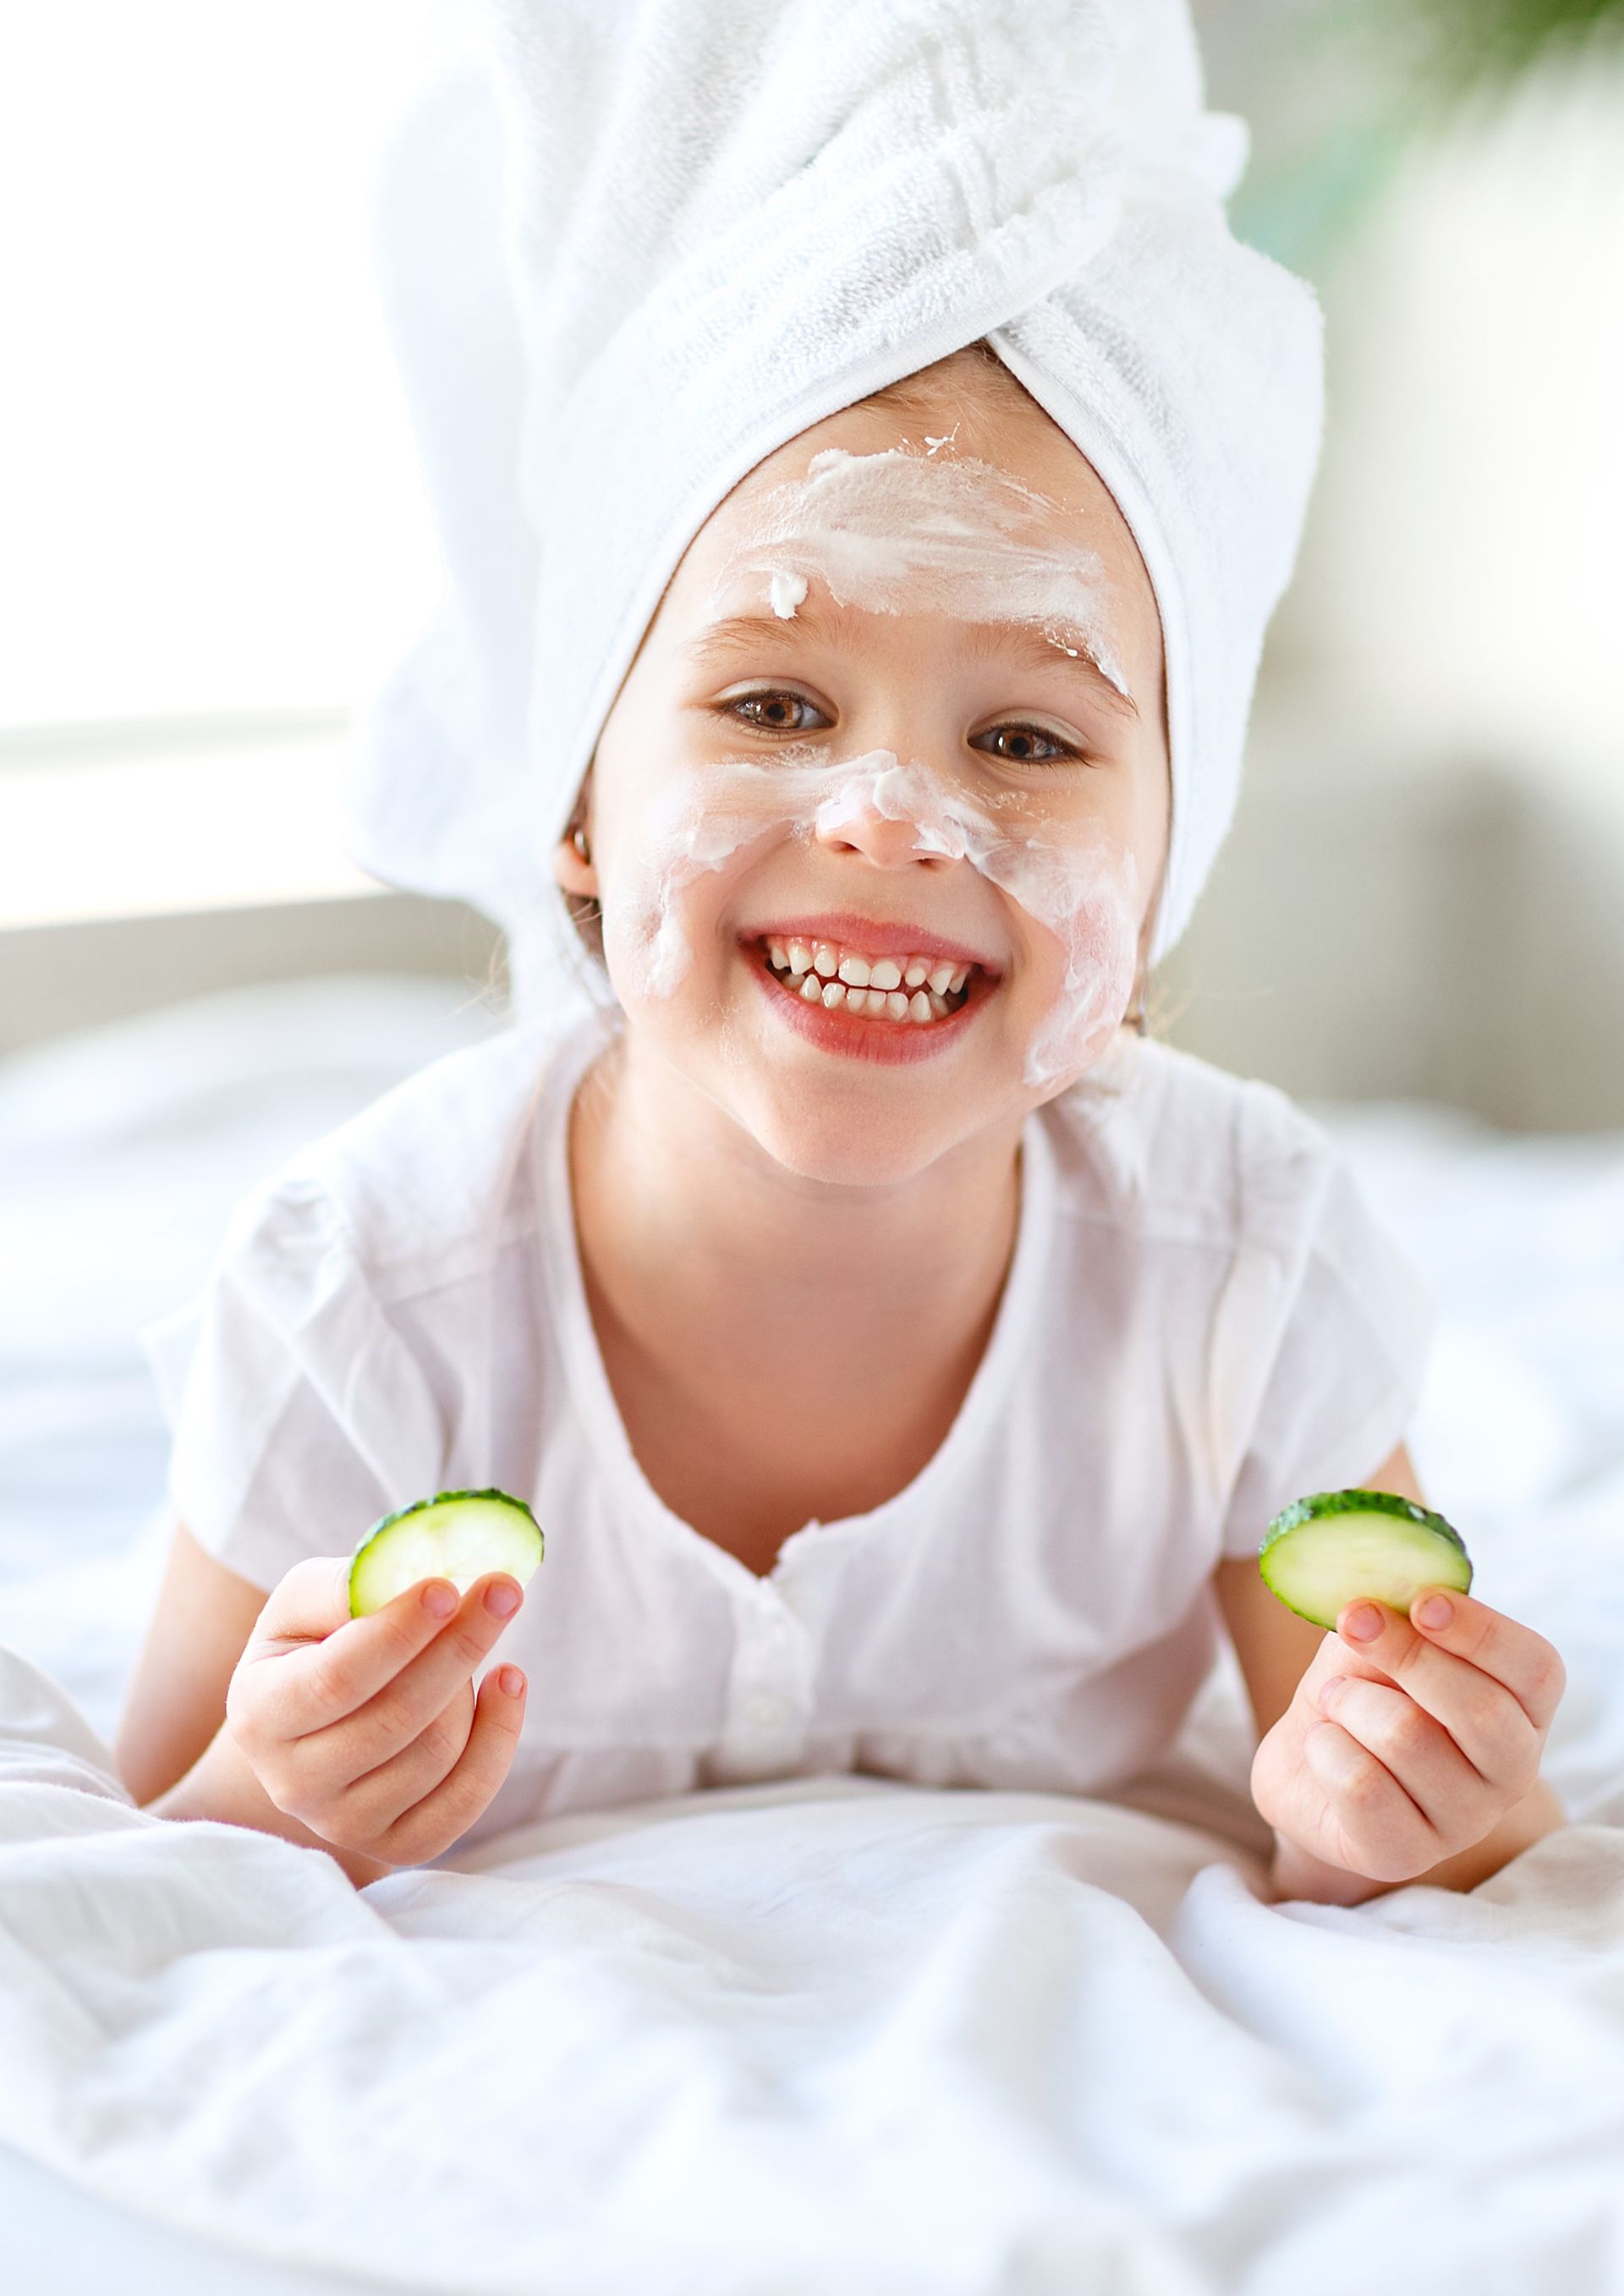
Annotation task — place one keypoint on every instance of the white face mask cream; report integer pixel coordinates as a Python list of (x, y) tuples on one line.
[(898, 533), (1082, 887)]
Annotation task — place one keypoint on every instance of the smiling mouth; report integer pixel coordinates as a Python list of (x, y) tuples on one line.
[(912, 990)]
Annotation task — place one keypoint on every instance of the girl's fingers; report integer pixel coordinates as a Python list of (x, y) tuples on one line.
[(439, 1818), (1487, 1718), (1524, 1663), (371, 1800), (390, 1672), (326, 1662), (423, 1688), (1384, 1834), (1415, 1751)]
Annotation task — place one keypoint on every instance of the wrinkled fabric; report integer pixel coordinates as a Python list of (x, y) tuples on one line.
[(833, 2035)]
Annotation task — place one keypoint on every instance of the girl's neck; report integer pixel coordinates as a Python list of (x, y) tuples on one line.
[(780, 1350), (681, 1213)]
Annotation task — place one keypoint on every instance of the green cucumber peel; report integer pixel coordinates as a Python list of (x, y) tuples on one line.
[(1331, 1548), (461, 1536)]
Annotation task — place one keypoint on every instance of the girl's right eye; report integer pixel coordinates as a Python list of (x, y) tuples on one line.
[(773, 698)]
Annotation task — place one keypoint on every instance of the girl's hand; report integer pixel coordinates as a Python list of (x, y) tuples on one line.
[(1402, 1747), (367, 1731)]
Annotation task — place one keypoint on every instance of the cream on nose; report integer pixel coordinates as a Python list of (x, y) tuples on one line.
[(895, 815), (889, 844)]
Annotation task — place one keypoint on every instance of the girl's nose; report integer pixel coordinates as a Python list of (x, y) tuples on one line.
[(862, 828)]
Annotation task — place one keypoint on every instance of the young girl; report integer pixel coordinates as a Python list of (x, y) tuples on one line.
[(902, 1352)]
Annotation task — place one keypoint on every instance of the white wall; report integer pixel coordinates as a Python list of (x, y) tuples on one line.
[(1462, 574), (209, 485), (1423, 892)]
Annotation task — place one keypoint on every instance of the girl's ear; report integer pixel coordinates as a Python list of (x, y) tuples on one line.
[(573, 871), (572, 864)]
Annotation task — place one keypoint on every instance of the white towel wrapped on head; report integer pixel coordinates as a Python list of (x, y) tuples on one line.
[(642, 243)]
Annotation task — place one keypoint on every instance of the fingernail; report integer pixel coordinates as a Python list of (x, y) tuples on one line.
[(1325, 1688), (1436, 1610), (440, 1599), (510, 1682), (501, 1600), (1363, 1622)]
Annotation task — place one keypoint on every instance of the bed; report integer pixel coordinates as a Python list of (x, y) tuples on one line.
[(827, 2034)]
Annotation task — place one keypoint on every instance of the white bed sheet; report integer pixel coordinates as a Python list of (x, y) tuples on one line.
[(834, 2034)]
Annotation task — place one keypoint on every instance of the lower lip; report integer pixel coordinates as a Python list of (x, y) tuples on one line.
[(890, 1042)]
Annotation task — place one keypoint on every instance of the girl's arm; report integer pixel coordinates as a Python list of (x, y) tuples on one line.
[(1276, 1650), (176, 1701)]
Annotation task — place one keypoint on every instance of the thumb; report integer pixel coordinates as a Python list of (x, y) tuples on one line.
[(307, 1604)]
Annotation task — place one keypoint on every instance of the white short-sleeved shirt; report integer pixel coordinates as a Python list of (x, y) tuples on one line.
[(1202, 1320)]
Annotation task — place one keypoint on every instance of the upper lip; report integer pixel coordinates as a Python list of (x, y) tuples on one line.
[(874, 938)]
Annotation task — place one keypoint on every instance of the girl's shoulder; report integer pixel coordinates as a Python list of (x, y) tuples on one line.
[(431, 1179), (1161, 1141)]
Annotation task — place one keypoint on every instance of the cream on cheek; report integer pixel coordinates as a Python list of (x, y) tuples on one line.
[(1081, 885)]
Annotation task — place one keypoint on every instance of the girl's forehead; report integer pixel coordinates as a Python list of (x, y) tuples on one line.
[(997, 520), (1005, 471)]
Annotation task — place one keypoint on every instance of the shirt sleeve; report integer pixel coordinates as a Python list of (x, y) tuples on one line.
[(1341, 1327), (298, 1415)]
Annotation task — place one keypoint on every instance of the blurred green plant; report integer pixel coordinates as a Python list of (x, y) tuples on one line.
[(1351, 86), (1461, 45)]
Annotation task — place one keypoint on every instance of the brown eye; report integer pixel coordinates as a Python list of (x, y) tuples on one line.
[(1025, 750), (772, 706)]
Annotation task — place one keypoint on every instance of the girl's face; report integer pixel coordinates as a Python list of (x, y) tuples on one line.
[(878, 819)]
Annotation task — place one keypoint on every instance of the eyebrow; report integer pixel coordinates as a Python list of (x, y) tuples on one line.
[(744, 633)]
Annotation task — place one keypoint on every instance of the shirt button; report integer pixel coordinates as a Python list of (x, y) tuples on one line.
[(766, 1711)]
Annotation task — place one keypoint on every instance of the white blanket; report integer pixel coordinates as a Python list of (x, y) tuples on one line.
[(831, 2036), (835, 2035)]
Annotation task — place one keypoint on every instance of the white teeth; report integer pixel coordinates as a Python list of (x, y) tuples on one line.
[(821, 973)]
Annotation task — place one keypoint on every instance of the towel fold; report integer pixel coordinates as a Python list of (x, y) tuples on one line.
[(629, 250)]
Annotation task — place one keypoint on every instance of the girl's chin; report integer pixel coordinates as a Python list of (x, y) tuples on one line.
[(831, 1154)]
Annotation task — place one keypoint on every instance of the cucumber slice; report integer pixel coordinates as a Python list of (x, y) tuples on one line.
[(1326, 1551), (457, 1535)]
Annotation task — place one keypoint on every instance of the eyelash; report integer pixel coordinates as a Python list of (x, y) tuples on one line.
[(1005, 726)]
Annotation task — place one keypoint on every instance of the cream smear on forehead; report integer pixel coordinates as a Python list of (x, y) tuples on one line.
[(896, 533), (1083, 889)]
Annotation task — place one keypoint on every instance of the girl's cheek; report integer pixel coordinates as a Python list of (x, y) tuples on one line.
[(665, 907), (1086, 900), (655, 892), (652, 927)]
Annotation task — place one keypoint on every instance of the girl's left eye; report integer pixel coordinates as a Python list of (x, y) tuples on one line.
[(1029, 744), (769, 724)]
